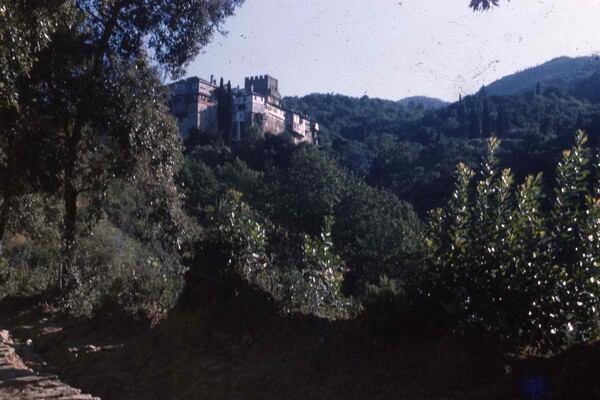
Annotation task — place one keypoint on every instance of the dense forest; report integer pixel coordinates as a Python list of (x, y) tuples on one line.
[(326, 229), (477, 217)]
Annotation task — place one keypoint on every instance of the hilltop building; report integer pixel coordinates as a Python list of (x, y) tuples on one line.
[(258, 104)]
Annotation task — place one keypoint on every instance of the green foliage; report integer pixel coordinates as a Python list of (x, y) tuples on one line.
[(234, 241), (501, 263), (572, 75), (237, 243), (117, 269), (25, 30), (376, 233), (350, 117), (198, 185), (31, 251), (126, 260), (24, 281), (90, 101), (238, 176), (308, 191), (323, 272)]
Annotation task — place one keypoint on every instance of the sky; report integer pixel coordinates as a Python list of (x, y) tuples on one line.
[(395, 48)]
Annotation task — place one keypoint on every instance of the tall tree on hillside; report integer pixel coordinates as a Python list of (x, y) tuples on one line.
[(474, 124), (224, 111), (25, 30), (221, 107), (462, 111), (228, 114), (486, 123), (501, 121), (102, 103)]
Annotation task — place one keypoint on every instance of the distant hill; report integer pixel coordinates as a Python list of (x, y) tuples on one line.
[(564, 72), (353, 117), (429, 103), (565, 86)]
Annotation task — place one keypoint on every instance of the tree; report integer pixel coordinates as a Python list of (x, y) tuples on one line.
[(486, 125), (25, 30), (228, 114), (309, 190), (375, 233), (225, 111), (474, 125), (221, 106), (355, 156), (103, 103), (501, 121)]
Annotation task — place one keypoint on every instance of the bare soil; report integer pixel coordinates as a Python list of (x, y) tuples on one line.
[(232, 343)]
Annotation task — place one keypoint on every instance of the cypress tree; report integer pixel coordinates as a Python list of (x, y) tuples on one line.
[(221, 108), (487, 121), (228, 113), (474, 125), (501, 121)]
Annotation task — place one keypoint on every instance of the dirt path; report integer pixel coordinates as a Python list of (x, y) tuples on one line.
[(17, 382)]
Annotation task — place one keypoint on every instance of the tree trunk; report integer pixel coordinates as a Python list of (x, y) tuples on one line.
[(7, 194), (67, 276), (67, 271), (4, 215)]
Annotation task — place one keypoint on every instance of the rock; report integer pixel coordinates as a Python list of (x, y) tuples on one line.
[(5, 337)]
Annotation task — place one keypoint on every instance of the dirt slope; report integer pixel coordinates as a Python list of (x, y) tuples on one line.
[(17, 382), (231, 343)]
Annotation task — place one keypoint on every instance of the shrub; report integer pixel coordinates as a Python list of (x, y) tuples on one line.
[(31, 248), (116, 269), (238, 243), (503, 261)]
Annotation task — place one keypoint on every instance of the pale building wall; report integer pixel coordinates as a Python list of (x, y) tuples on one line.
[(194, 105)]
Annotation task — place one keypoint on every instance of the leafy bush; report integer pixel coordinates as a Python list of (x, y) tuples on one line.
[(117, 269), (505, 261), (24, 280), (238, 243), (31, 248)]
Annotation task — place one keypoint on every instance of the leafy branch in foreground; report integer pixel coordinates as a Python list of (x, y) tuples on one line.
[(237, 242), (500, 263), (482, 5)]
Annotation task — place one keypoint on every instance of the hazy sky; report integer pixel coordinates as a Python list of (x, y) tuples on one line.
[(395, 48)]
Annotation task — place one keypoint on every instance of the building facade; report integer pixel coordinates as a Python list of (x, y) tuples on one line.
[(193, 103), (258, 104)]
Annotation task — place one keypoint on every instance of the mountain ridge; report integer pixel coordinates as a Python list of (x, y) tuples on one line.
[(564, 72)]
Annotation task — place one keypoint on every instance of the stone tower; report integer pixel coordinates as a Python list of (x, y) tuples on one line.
[(264, 85)]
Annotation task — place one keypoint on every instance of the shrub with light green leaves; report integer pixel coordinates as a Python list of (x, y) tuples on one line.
[(504, 261), (237, 242)]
